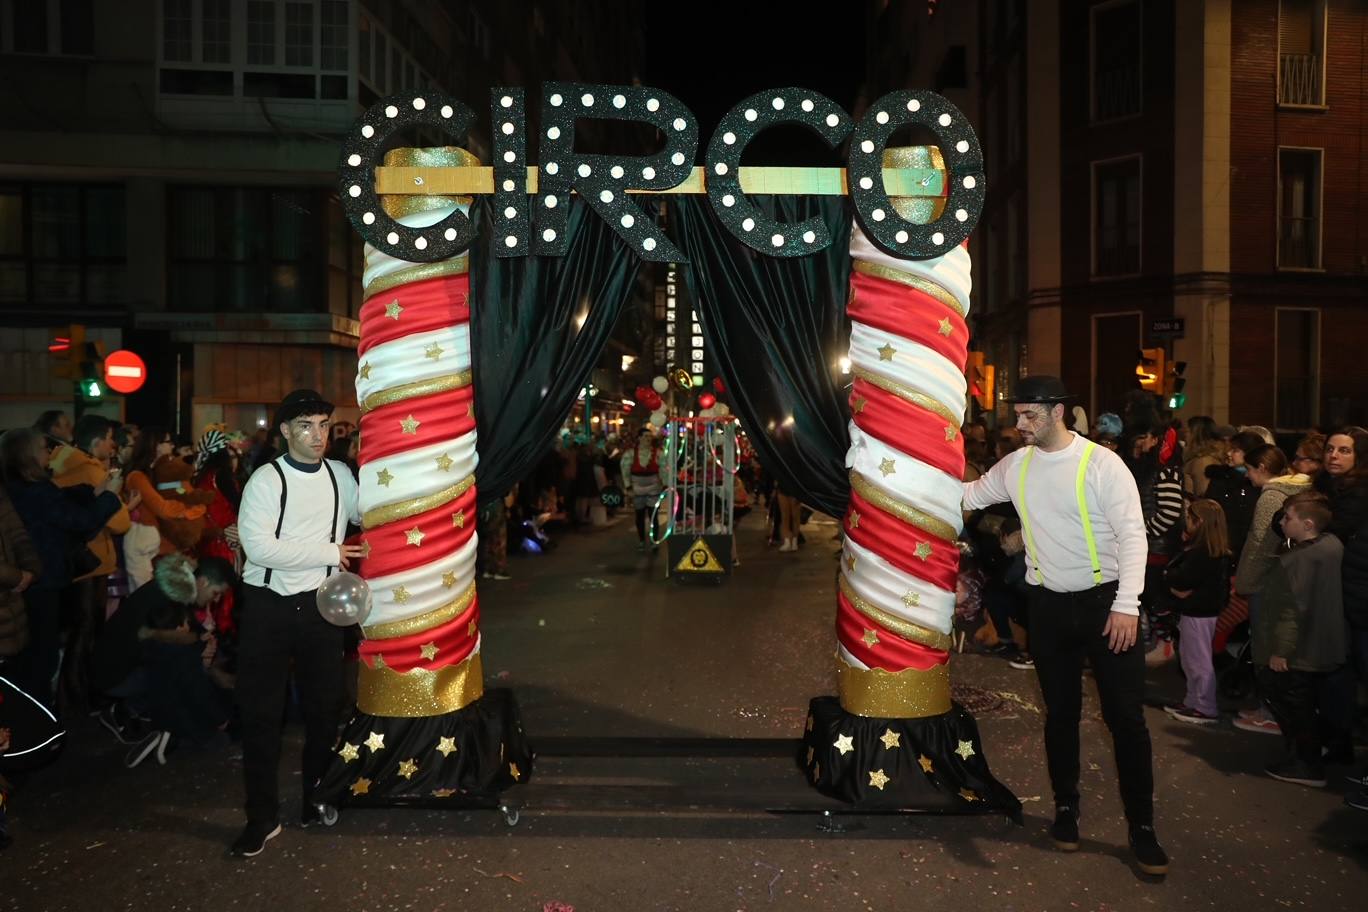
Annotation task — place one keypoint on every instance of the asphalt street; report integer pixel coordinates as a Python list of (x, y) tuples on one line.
[(664, 716)]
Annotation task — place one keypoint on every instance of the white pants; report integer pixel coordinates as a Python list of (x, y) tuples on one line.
[(141, 544)]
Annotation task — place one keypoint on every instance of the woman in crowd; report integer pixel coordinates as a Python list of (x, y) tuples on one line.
[(1204, 449), (1198, 581), (58, 523), (144, 541), (1229, 486), (216, 470)]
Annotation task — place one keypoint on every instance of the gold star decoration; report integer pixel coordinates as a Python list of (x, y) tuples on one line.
[(428, 651), (446, 746), (514, 772), (413, 537), (871, 638), (925, 762), (379, 661), (844, 743), (950, 432), (433, 351), (393, 310), (365, 548), (854, 519), (859, 404), (945, 328), (443, 793), (376, 741), (809, 722), (349, 752), (887, 467), (811, 751), (965, 750), (911, 599), (361, 786), (850, 563), (445, 462), (401, 595), (968, 794), (878, 779), (383, 478), (409, 425), (887, 352), (471, 628), (923, 550), (408, 768), (890, 739), (458, 519), (448, 579), (365, 371)]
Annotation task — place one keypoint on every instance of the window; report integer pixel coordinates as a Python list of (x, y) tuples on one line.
[(178, 24), (1116, 43), (363, 49), (77, 27), (31, 27), (216, 43), (62, 244), (1116, 217), (1299, 200), (333, 36), (1296, 369), (261, 29), (299, 34), (48, 27), (1301, 52), (247, 249)]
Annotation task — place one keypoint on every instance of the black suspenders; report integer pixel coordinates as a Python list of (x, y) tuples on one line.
[(280, 520)]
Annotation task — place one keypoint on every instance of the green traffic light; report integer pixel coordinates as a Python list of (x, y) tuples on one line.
[(1177, 401), (91, 388)]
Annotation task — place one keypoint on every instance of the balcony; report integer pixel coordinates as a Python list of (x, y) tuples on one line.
[(1299, 80)]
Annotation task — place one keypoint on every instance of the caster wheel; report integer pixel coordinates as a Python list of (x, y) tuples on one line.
[(329, 815), (510, 815)]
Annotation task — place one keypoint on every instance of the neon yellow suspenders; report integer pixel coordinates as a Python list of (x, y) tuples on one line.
[(1080, 491)]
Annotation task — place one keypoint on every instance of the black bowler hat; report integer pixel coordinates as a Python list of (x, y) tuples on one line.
[(301, 402), (1041, 388)]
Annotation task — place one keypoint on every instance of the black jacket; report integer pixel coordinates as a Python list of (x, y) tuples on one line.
[(1206, 577), (1350, 525), (1232, 489)]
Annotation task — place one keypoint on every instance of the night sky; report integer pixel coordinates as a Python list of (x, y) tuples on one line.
[(712, 60)]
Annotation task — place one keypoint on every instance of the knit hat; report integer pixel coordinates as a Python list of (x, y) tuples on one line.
[(211, 441)]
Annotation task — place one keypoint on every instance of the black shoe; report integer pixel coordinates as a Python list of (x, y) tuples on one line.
[(119, 723), (1064, 830), (154, 743), (253, 839), (1297, 772), (1150, 856)]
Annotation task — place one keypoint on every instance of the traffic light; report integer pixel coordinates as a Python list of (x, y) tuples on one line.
[(1174, 381), (78, 360), (980, 376), (1149, 370)]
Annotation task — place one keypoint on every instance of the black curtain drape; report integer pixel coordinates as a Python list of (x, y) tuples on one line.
[(530, 360), (777, 328)]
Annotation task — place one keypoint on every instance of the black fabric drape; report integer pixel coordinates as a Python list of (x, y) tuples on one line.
[(776, 328), (530, 360)]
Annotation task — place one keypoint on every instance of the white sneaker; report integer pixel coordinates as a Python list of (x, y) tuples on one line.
[(789, 545)]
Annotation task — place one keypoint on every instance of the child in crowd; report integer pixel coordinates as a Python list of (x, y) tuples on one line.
[(1198, 583), (1300, 636)]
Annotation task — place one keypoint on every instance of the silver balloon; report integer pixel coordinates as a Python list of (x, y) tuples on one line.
[(344, 599)]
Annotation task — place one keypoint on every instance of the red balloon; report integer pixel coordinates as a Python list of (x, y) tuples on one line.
[(707, 400)]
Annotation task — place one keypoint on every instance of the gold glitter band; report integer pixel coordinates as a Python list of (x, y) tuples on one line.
[(443, 384), (425, 621), (398, 205), (908, 394), (879, 694), (406, 508), (421, 692), (925, 286), (919, 210), (908, 514), (914, 633), (419, 272)]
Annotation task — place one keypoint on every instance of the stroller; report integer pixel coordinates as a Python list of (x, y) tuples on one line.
[(30, 737)]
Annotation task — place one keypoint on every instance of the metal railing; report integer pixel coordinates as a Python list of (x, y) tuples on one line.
[(1299, 80)]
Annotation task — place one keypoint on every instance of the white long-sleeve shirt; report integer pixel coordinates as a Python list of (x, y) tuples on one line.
[(1057, 527), (299, 559)]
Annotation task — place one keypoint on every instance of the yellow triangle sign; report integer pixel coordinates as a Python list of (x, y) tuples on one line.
[(699, 559)]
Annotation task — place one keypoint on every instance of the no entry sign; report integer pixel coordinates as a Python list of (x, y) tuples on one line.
[(124, 372)]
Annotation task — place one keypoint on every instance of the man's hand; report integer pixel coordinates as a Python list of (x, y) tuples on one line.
[(1120, 631), (25, 580), (1277, 663), (231, 534), (348, 553)]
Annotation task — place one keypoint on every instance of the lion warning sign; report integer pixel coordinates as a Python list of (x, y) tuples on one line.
[(699, 559)]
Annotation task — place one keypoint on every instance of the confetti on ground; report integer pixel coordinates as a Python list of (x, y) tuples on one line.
[(516, 878)]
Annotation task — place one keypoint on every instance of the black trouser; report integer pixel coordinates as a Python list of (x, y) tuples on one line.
[(1065, 627), (273, 631), (1292, 697)]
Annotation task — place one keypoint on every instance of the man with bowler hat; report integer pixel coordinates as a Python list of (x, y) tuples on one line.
[(292, 522), (1085, 560)]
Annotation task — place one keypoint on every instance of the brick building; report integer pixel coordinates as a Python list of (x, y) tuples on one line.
[(1151, 159)]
